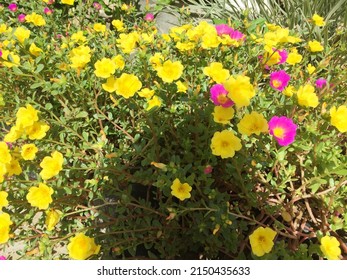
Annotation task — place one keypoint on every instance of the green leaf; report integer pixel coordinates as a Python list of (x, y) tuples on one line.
[(39, 68), (82, 114)]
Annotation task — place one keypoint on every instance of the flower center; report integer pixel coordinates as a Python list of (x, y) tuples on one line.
[(181, 189), (222, 99), (276, 83), (261, 239), (224, 144), (278, 132)]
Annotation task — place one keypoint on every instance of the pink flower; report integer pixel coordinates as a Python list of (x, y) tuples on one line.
[(320, 83), (97, 6), (208, 169), (149, 17), (283, 129), (13, 7), (283, 54), (21, 18), (2, 258), (47, 11), (223, 29), (237, 35), (0, 53), (219, 96), (279, 80)]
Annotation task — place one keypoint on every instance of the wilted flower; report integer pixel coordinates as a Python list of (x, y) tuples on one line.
[(21, 17), (97, 6)]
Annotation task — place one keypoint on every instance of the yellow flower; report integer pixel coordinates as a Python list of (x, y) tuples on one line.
[(26, 116), (98, 27), (10, 58), (339, 118), (79, 57), (294, 57), (222, 114), (225, 143), (181, 87), (5, 223), (210, 40), (240, 90), (307, 97), (5, 153), (127, 85), (118, 24), (52, 218), (179, 190), (289, 91), (68, 2), (170, 71), (118, 61), (40, 196), (13, 167), (252, 123), (110, 85), (156, 60), (330, 247), (262, 241), (3, 199), (155, 101), (310, 68), (78, 37), (127, 42), (37, 130), (216, 72), (82, 247), (271, 57), (104, 68), (315, 46), (51, 166), (318, 20), (22, 34), (146, 93), (35, 19), (2, 171), (187, 46), (29, 151), (35, 50)]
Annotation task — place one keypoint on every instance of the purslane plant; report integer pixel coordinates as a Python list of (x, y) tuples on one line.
[(129, 141)]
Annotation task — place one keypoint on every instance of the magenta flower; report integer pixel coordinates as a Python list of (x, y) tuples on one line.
[(237, 35), (219, 96), (21, 18), (149, 17), (0, 53), (320, 83), (47, 11), (208, 169), (279, 80), (223, 29), (2, 258), (284, 55), (97, 6), (283, 129), (13, 7)]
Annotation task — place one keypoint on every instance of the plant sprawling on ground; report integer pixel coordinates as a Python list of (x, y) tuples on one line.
[(217, 141)]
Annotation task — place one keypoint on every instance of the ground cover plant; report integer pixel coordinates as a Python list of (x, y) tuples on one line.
[(214, 141)]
